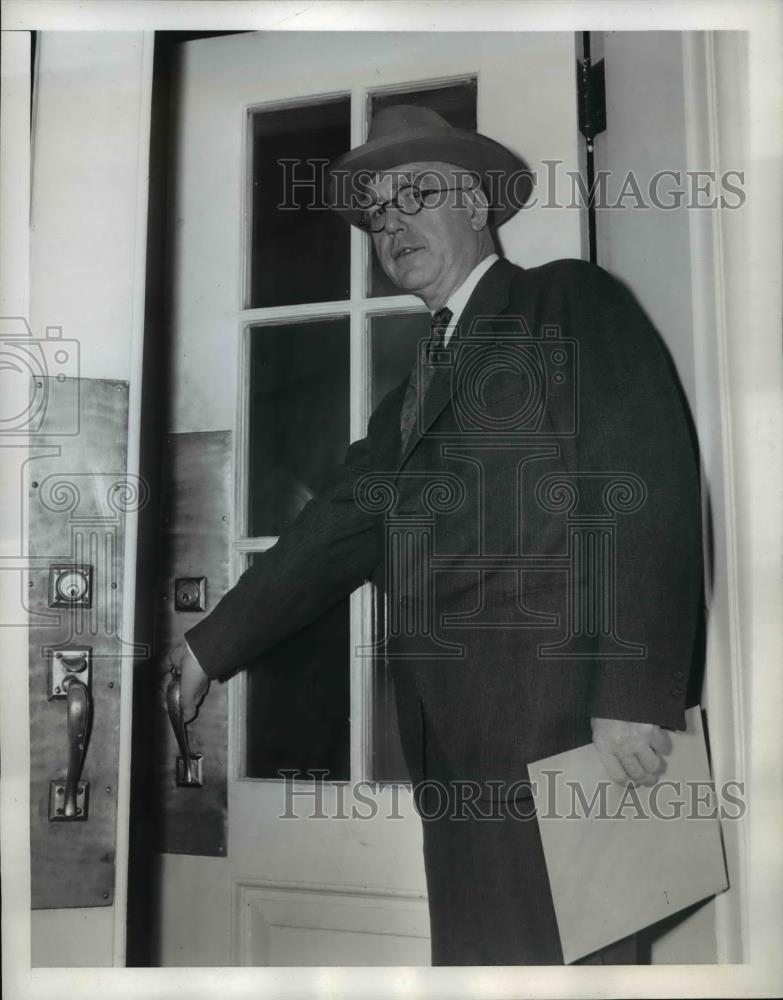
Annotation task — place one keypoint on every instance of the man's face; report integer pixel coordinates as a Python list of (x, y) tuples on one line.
[(432, 252)]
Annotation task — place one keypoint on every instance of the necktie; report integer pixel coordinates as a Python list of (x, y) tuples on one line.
[(418, 389)]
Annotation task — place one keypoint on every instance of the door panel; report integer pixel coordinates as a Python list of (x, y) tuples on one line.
[(317, 926), (312, 875)]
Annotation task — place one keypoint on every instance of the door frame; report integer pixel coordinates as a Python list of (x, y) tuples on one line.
[(715, 67), (135, 384)]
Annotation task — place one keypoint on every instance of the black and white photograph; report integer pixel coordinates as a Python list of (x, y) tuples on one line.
[(390, 421)]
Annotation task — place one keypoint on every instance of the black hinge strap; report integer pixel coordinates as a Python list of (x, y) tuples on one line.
[(591, 87), (591, 98)]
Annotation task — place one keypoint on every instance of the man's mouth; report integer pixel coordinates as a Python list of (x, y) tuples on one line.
[(404, 252)]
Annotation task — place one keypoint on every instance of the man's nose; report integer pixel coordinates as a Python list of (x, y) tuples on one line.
[(394, 220)]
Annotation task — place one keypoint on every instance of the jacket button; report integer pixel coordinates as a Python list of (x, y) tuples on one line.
[(678, 675), (676, 692)]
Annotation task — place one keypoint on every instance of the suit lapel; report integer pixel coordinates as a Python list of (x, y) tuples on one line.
[(489, 298)]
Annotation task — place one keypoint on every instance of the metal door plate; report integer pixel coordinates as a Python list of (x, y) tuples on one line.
[(196, 493), (78, 494)]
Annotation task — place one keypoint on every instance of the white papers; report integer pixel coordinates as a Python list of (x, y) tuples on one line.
[(620, 864)]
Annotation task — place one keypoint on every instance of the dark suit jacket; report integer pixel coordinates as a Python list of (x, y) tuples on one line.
[(589, 396)]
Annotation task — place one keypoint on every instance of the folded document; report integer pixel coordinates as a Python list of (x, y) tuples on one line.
[(620, 858)]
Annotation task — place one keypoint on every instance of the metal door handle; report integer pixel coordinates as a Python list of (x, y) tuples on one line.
[(69, 801), (78, 707), (189, 765)]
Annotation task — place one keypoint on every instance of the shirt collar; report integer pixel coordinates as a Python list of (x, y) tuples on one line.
[(458, 299)]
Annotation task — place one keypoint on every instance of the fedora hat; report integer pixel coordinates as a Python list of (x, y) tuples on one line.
[(407, 133)]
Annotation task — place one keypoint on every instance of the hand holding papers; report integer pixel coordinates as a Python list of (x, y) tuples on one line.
[(621, 857)]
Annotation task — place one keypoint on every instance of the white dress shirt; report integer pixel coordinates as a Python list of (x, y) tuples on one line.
[(459, 299)]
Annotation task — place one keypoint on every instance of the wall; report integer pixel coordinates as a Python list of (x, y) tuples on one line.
[(647, 247), (88, 184), (676, 101), (650, 250)]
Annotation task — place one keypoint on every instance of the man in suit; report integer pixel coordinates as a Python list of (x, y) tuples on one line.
[(539, 465)]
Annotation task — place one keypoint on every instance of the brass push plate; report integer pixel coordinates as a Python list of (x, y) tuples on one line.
[(190, 593), (196, 494), (57, 799), (70, 586), (77, 504)]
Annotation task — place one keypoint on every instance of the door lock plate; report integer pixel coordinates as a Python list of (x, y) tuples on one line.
[(70, 586), (190, 593)]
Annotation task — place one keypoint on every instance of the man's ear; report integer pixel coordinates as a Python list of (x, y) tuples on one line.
[(478, 207)]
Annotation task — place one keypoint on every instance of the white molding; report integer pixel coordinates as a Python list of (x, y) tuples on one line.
[(132, 516), (238, 555), (15, 203), (367, 305), (246, 213), (258, 543), (360, 729), (250, 894), (241, 440), (725, 686), (238, 552)]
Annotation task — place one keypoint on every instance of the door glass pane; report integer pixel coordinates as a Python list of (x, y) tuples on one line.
[(298, 702), (298, 416), (456, 102), (394, 340), (300, 250), (388, 761)]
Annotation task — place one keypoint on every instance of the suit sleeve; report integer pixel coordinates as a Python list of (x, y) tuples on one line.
[(328, 551), (634, 419)]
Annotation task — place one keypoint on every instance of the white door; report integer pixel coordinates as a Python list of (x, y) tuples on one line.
[(248, 289)]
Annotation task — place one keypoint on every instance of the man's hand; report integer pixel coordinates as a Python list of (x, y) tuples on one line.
[(631, 750), (193, 682)]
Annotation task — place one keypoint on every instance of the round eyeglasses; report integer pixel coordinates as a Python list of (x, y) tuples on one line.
[(409, 200)]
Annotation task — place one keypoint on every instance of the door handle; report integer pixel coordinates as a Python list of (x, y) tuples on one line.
[(78, 708), (189, 766), (68, 802)]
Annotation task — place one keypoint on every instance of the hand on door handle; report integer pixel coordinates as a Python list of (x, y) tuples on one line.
[(189, 774), (194, 683), (78, 714)]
